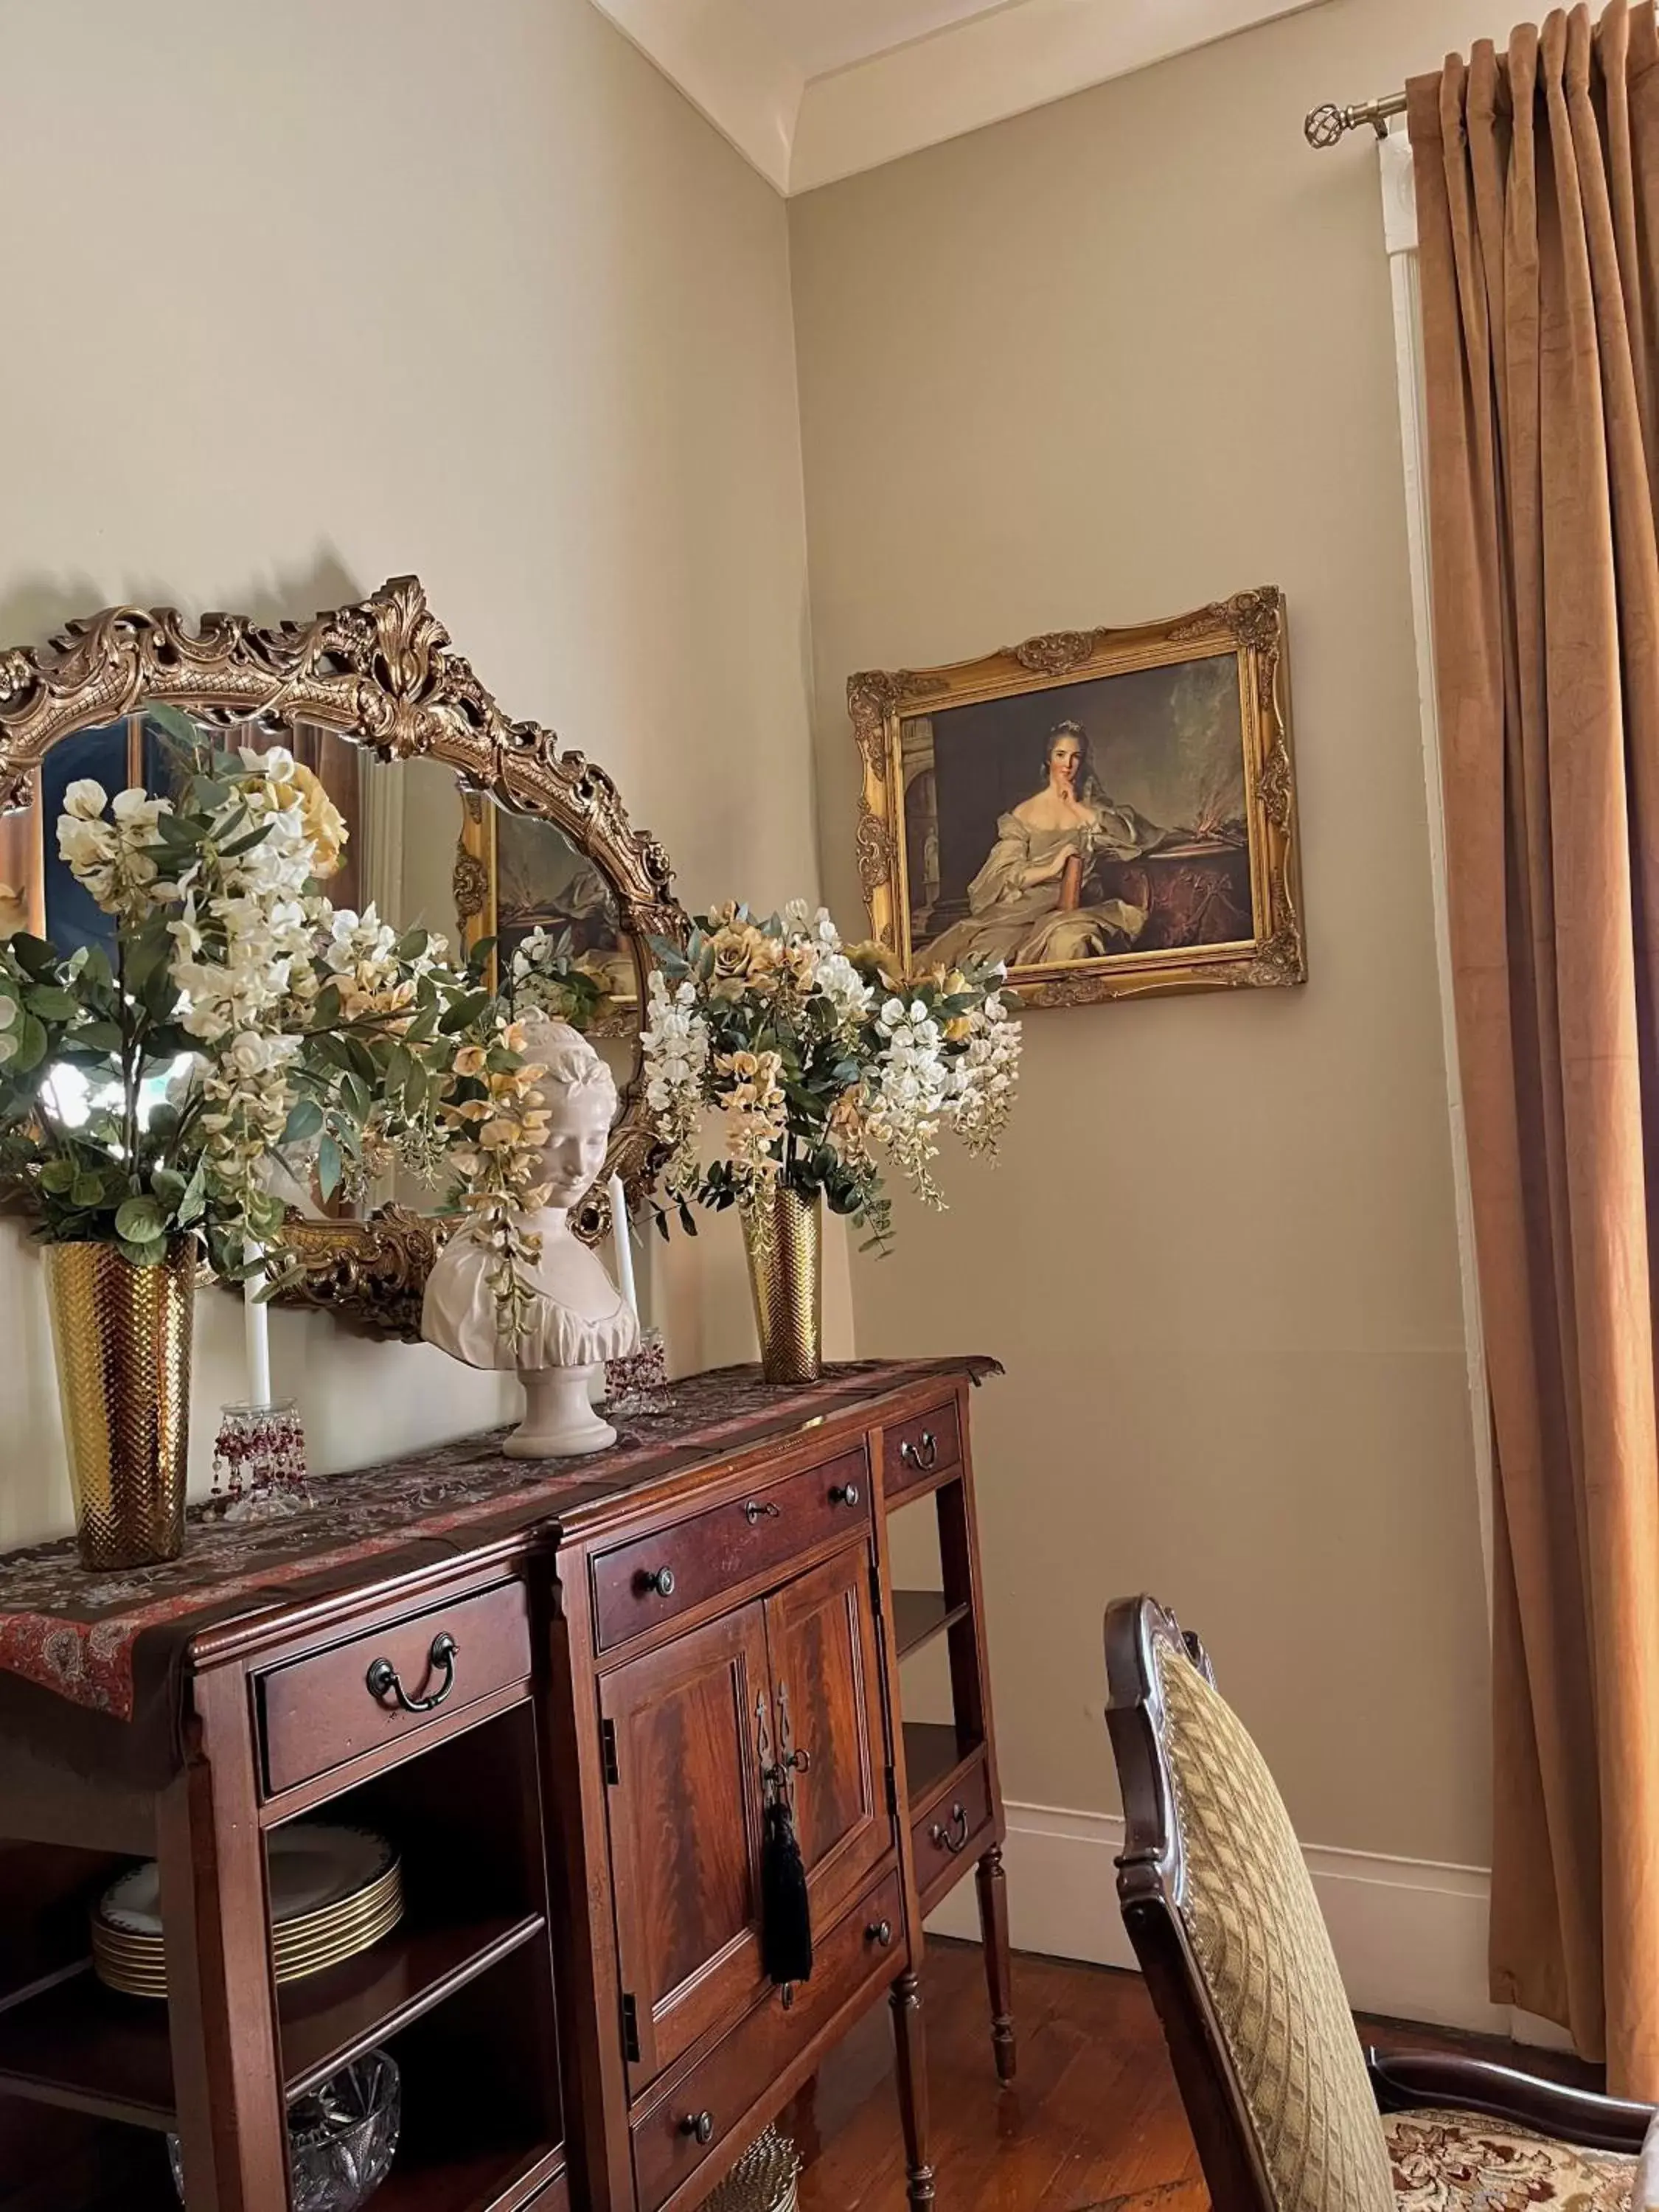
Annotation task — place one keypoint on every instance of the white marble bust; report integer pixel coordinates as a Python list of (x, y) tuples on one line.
[(578, 1316)]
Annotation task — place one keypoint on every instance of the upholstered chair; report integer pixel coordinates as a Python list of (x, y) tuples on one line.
[(1288, 2112)]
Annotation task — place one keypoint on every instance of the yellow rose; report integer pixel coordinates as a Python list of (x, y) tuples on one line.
[(325, 824)]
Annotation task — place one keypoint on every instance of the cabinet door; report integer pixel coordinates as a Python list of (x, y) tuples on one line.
[(686, 1829), (821, 1634)]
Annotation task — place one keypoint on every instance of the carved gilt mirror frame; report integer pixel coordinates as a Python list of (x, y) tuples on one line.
[(381, 674)]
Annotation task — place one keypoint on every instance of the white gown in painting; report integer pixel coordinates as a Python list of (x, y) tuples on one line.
[(1017, 904)]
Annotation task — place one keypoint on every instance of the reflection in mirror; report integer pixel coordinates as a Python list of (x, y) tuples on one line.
[(417, 849)]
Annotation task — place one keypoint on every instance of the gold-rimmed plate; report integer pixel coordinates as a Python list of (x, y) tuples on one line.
[(335, 1893), (315, 1867), (288, 1947)]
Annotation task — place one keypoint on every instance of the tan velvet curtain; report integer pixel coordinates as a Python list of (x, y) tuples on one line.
[(1537, 176)]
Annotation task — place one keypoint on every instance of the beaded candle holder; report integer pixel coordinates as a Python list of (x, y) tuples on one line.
[(639, 1383), (259, 1471)]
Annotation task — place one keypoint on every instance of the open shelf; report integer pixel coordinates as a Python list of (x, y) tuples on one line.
[(82, 2045), (52, 2160), (78, 2044), (431, 2179), (329, 2019), (480, 2129), (920, 1615), (933, 1750)]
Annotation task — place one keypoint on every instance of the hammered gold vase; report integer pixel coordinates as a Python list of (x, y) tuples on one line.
[(785, 1240), (122, 1335)]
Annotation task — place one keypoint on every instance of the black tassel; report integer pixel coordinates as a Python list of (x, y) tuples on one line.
[(786, 1914)]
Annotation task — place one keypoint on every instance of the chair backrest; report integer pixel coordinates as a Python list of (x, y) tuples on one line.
[(1222, 1917)]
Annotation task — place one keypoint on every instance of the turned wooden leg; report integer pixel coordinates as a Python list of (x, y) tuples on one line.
[(993, 1885), (911, 2048)]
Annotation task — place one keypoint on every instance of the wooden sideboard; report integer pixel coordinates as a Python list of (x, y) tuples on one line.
[(570, 1729)]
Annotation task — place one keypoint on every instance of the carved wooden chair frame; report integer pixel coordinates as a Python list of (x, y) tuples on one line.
[(382, 674), (1150, 1884)]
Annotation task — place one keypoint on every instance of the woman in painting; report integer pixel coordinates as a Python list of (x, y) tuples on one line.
[(1026, 906)]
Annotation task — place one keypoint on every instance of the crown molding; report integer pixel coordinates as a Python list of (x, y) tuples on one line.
[(990, 67), (801, 132), (723, 58)]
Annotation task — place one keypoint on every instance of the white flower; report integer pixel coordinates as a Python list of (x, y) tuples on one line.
[(84, 842), (85, 798), (252, 1054), (137, 812)]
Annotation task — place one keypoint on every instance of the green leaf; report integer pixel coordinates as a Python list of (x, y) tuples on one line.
[(305, 1119), (138, 1221), (86, 1189), (192, 1199), (172, 722), (34, 956), (31, 1043), (51, 1003), (149, 1253), (329, 1167), (57, 1177), (98, 1036), (169, 1186)]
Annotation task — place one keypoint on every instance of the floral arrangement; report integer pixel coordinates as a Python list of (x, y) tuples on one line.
[(824, 1064), (547, 976), (243, 1021)]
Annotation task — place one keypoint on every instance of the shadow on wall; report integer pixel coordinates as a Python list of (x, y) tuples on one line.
[(37, 608)]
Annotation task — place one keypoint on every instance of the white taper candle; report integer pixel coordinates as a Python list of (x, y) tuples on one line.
[(257, 1323), (625, 1246)]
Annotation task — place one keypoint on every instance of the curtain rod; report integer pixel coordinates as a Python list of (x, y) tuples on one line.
[(1325, 125)]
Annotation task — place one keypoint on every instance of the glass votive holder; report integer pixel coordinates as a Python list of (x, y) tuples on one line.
[(638, 1382), (259, 1471)]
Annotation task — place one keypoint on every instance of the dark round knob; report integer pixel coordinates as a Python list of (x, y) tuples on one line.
[(662, 1582), (700, 2125), (844, 1494), (879, 1931)]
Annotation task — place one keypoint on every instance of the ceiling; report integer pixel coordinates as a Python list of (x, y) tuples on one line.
[(822, 35), (812, 90)]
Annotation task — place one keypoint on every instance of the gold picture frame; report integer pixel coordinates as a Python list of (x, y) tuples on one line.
[(1081, 889)]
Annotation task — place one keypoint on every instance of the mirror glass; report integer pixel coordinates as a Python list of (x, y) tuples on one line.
[(418, 849)]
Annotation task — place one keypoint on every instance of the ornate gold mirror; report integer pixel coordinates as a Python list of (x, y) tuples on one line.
[(458, 821)]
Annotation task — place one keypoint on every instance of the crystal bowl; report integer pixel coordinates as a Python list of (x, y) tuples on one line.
[(341, 2137)]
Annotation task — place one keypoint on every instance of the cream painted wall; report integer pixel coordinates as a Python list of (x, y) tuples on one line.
[(1099, 364), (308, 296)]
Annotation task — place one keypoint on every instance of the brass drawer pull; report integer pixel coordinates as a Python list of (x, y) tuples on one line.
[(383, 1682), (879, 1931), (659, 1583), (700, 2126), (923, 1454), (953, 1838), (755, 1510), (844, 1494)]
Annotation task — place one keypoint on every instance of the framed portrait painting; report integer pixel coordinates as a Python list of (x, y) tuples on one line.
[(1110, 812)]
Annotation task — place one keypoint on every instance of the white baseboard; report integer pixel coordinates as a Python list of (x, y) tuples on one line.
[(1409, 1935)]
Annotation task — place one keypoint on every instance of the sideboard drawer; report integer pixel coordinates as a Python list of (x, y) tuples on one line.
[(927, 1443), (655, 1578), (949, 1825), (684, 2127), (317, 1712)]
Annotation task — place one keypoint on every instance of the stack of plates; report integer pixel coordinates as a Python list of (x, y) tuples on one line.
[(334, 1891)]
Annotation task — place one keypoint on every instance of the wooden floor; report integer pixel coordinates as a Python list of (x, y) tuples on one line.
[(1093, 2118)]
